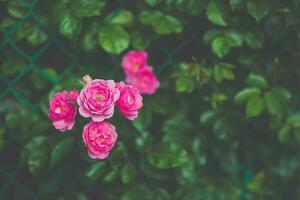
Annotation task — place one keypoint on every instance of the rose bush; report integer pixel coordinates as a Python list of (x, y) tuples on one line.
[(223, 124)]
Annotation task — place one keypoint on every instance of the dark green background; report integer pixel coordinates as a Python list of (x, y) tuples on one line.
[(224, 125)]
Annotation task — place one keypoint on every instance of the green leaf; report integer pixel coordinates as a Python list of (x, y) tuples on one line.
[(140, 39), (61, 150), (257, 8), (284, 134), (236, 38), (185, 84), (167, 24), (128, 172), (243, 95), (210, 35), (236, 4), (167, 155), (297, 134), (228, 74), (272, 103), (150, 17), (254, 106), (111, 176), (113, 39), (282, 93), (143, 120), (87, 8), (120, 17), (176, 129), (70, 26), (294, 120), (96, 170), (218, 74), (220, 46), (37, 154), (216, 13), (255, 39), (15, 10), (153, 2), (89, 39), (256, 81), (37, 36)]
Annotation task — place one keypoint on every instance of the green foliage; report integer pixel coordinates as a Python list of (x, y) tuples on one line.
[(224, 124)]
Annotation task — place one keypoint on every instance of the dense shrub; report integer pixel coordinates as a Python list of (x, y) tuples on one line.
[(225, 123)]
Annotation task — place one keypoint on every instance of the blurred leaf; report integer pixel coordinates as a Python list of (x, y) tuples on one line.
[(185, 84), (162, 24), (120, 17), (114, 39), (257, 8), (89, 40), (236, 4), (167, 155), (167, 24), (284, 134), (216, 13), (61, 150), (37, 36), (128, 172), (282, 93), (256, 80), (297, 134), (96, 170), (87, 8), (243, 95), (111, 176), (218, 74), (272, 103), (36, 150), (143, 120), (150, 17), (15, 10), (70, 26), (220, 46), (228, 74), (254, 106), (140, 39), (255, 39), (153, 2)]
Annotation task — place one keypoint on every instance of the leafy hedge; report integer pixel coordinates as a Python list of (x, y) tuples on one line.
[(225, 123)]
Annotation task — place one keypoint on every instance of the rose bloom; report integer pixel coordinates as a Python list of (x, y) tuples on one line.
[(97, 99), (145, 81), (130, 101), (63, 109), (99, 138), (134, 61)]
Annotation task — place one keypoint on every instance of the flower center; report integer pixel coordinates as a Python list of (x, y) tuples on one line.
[(60, 109), (99, 98), (130, 99), (135, 65)]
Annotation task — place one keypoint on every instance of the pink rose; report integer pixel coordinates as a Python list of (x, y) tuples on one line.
[(97, 99), (144, 80), (130, 101), (63, 109), (134, 61), (99, 138)]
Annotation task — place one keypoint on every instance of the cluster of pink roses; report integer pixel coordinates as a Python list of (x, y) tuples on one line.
[(97, 100), (139, 73)]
